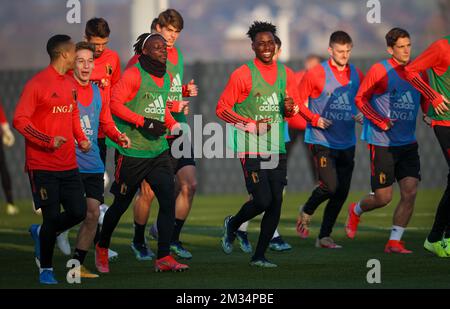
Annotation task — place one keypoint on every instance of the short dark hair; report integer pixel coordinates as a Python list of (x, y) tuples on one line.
[(260, 26), (97, 27), (55, 43), (277, 41), (171, 17), (394, 34), (84, 45), (153, 25), (340, 37)]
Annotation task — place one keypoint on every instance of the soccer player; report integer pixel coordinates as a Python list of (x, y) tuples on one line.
[(94, 112), (297, 124), (256, 99), (47, 116), (107, 65), (170, 24), (277, 243), (7, 140), (331, 88), (437, 58), (390, 106), (139, 106), (105, 75)]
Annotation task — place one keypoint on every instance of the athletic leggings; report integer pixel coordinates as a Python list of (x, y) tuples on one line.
[(441, 223), (129, 174), (335, 169), (50, 191), (266, 187), (6, 178)]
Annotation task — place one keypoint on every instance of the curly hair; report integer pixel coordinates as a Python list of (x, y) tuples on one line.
[(260, 26)]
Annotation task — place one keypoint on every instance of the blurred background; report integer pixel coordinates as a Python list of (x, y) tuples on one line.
[(214, 44)]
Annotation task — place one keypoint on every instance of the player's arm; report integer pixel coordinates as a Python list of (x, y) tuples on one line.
[(300, 107), (374, 82), (230, 96), (124, 91), (310, 84), (169, 121), (107, 123), (83, 142), (22, 118), (430, 58), (116, 73), (7, 136)]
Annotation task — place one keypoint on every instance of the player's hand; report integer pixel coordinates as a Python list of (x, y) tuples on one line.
[(323, 123), (85, 146), (390, 124), (124, 141), (262, 126), (7, 136), (154, 127), (58, 141), (427, 120), (184, 107), (359, 118), (192, 88), (442, 108), (288, 104)]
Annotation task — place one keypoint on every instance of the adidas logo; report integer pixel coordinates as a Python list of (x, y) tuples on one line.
[(341, 103), (156, 107), (176, 86), (269, 104), (54, 95), (402, 100), (86, 125)]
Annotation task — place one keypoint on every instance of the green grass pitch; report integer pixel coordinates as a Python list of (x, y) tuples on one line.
[(303, 267)]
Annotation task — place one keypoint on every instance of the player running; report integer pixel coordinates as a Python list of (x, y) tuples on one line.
[(255, 101), (139, 106), (47, 116), (437, 58), (94, 113), (331, 88), (170, 24), (390, 106), (277, 243)]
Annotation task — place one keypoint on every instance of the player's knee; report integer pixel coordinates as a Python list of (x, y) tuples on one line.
[(263, 202), (383, 199), (328, 188), (409, 194), (92, 215), (188, 189)]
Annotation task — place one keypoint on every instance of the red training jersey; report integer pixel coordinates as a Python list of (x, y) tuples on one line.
[(106, 74), (47, 108), (125, 91), (437, 58), (239, 86), (376, 82), (85, 94)]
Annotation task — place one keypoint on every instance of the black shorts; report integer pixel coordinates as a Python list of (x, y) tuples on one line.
[(131, 171), (56, 187), (178, 164), (253, 173), (93, 184), (389, 164)]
